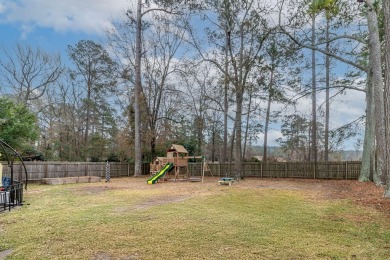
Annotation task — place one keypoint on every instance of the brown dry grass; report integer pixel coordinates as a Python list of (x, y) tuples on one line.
[(253, 219)]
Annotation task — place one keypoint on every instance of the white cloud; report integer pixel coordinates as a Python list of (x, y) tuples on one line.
[(2, 7), (273, 135), (26, 29), (348, 108), (87, 16)]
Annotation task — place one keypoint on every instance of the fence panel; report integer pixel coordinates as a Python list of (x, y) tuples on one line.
[(251, 169), (36, 171), (226, 169), (119, 169), (74, 169), (352, 170), (96, 169), (56, 170), (273, 169), (330, 170), (300, 170), (195, 169)]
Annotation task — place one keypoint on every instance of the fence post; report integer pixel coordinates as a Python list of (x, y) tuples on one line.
[(346, 170), (86, 169)]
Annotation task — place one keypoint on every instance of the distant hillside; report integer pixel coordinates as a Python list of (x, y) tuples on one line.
[(275, 151)]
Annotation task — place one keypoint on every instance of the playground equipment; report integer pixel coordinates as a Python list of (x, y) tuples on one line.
[(178, 157), (167, 168)]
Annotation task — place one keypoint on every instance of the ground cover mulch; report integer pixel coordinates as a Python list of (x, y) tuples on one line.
[(362, 193)]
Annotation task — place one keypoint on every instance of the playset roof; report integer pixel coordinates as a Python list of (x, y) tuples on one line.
[(178, 148)]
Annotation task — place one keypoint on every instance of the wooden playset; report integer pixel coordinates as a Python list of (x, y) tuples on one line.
[(176, 164), (177, 155)]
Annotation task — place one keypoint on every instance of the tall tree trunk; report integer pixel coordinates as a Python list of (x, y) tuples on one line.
[(213, 140), (314, 94), (87, 123), (225, 102), (368, 159), (213, 143), (265, 151), (237, 126), (386, 11), (327, 102), (153, 145), (199, 133), (377, 84), (247, 126), (232, 140), (309, 150), (137, 93), (268, 112)]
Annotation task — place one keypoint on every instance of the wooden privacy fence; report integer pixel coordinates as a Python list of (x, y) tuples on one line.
[(38, 170), (308, 170), (320, 170)]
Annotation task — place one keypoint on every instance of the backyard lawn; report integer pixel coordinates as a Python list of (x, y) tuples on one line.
[(252, 219)]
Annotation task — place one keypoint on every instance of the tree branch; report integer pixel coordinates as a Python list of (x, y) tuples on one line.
[(358, 66), (345, 36), (157, 9)]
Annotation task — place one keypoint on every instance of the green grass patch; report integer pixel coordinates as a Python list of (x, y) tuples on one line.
[(189, 221)]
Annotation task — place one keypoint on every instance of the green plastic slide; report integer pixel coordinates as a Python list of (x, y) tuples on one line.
[(168, 167)]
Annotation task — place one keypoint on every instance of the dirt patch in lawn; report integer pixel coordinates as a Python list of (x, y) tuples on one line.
[(92, 189), (160, 201), (365, 194)]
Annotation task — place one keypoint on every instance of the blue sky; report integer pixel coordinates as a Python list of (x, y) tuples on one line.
[(52, 25), (44, 38)]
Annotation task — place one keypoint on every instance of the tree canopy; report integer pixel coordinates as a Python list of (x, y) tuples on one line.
[(18, 126)]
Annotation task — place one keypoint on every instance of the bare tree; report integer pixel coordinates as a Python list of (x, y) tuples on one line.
[(29, 72), (198, 85), (160, 64), (245, 32)]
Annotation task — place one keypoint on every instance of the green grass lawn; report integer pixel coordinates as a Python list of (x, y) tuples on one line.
[(128, 219)]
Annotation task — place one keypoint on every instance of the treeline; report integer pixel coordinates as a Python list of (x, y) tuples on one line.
[(213, 76)]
